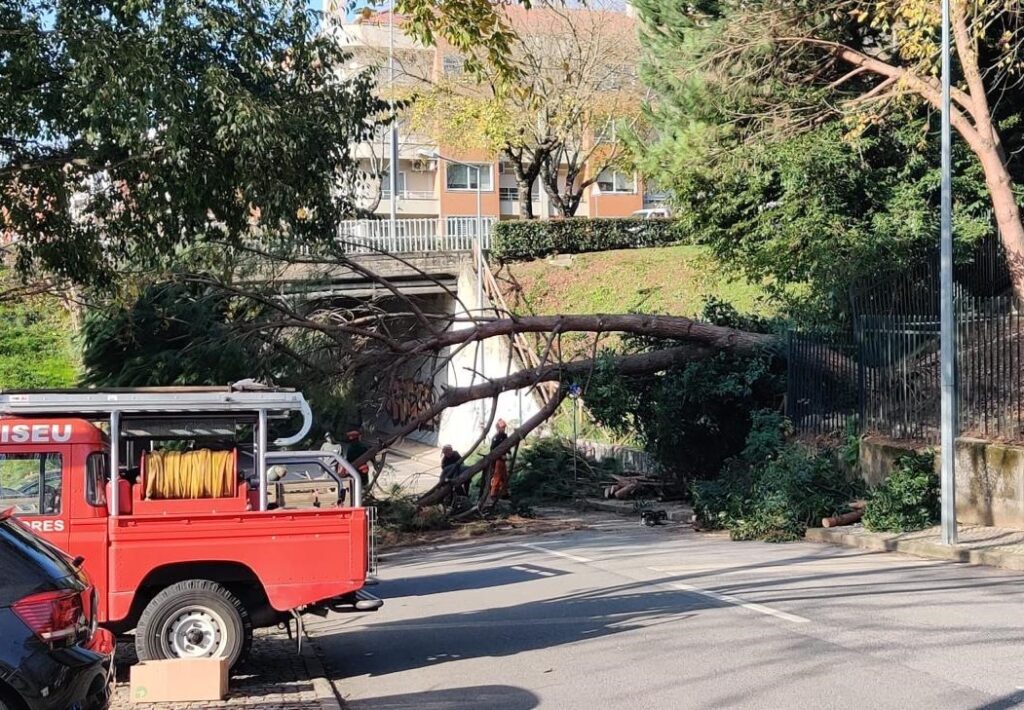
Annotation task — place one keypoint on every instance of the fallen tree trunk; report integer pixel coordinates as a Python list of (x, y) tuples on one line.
[(441, 491), (639, 363), (843, 519)]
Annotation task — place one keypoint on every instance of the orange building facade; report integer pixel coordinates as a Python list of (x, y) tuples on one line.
[(440, 181)]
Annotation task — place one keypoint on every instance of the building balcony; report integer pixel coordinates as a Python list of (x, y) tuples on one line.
[(410, 202), (510, 200)]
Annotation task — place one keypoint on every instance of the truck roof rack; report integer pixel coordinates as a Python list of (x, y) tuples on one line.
[(152, 400), (245, 398)]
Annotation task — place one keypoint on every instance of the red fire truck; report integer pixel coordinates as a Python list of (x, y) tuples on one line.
[(190, 542)]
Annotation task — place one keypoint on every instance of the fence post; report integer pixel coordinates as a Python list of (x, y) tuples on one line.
[(862, 394)]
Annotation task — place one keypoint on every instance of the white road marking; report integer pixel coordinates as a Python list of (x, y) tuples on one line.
[(726, 598), (556, 553), (736, 601), (531, 570)]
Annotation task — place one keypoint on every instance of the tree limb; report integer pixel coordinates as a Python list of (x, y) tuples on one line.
[(441, 491)]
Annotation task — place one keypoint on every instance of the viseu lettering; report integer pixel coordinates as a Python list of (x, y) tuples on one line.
[(34, 433)]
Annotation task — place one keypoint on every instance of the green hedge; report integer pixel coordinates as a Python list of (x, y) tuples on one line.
[(522, 240)]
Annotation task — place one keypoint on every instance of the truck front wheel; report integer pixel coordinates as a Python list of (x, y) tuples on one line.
[(196, 618)]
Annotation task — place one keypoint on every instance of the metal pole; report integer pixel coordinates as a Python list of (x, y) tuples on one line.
[(115, 463), (947, 315), (575, 447), (479, 287), (479, 218), (393, 159), (479, 248), (261, 458)]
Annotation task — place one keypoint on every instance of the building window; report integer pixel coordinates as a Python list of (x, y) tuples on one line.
[(385, 184), (453, 64), (615, 181), (463, 177), (31, 483), (511, 194)]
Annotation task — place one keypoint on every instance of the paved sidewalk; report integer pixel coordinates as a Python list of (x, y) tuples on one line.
[(978, 545), (274, 678)]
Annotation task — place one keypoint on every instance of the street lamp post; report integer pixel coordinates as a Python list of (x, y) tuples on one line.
[(947, 351), (393, 147), (435, 155)]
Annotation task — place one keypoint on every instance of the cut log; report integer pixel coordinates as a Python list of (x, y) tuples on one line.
[(844, 519)]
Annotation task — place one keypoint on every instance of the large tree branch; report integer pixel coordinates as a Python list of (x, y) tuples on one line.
[(967, 50), (635, 364), (926, 88), (672, 327)]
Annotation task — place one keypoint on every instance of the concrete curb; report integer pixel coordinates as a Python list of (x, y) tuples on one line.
[(322, 686), (887, 542), (676, 513)]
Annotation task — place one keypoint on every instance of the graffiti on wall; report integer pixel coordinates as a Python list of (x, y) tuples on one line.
[(408, 399)]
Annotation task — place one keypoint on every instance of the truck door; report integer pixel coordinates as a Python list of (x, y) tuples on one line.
[(32, 482)]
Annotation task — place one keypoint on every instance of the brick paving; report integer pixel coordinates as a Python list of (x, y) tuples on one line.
[(274, 678)]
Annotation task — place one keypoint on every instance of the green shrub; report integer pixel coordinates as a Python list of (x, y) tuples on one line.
[(544, 472), (908, 499), (523, 240), (775, 489)]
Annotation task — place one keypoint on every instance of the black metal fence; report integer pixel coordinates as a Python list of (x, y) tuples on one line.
[(885, 379), (823, 395)]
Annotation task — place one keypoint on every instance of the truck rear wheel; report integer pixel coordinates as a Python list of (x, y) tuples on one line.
[(196, 618)]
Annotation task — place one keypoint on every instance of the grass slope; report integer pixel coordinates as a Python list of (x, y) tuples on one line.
[(671, 280), (37, 345)]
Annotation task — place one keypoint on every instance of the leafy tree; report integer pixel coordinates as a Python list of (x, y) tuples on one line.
[(189, 332), (559, 116), (812, 215), (131, 128), (738, 74), (172, 334)]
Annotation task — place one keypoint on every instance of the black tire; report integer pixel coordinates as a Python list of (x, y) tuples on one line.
[(192, 619)]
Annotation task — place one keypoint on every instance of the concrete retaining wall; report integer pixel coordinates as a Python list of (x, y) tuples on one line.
[(989, 478), (461, 426)]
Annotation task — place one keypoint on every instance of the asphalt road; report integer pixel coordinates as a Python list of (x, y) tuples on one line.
[(621, 616)]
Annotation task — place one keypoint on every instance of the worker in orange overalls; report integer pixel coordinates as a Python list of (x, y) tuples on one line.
[(499, 467)]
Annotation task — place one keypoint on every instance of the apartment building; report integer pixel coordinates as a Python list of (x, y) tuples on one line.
[(440, 182)]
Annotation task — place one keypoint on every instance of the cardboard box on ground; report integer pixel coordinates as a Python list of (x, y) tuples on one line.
[(180, 680)]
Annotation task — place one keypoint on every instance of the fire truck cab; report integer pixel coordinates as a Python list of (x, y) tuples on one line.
[(175, 505)]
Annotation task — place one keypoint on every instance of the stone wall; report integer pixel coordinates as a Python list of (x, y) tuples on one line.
[(990, 483), (989, 478)]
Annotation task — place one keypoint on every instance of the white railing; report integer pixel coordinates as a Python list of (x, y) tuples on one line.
[(409, 195), (511, 194), (367, 236), (461, 231)]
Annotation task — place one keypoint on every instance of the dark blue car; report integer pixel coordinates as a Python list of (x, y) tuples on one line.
[(52, 656)]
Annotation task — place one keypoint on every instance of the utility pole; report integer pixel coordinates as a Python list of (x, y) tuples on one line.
[(947, 314)]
